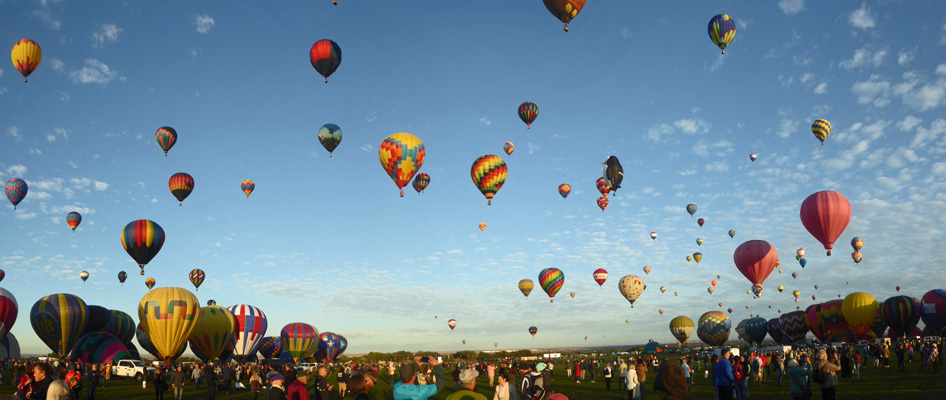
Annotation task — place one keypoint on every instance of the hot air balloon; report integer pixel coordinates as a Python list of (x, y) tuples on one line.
[(816, 287), (99, 347), (564, 10), (551, 280), (533, 330), (149, 283), (2, 275), (602, 203), (803, 262), (661, 311), (689, 258), (168, 315), (600, 276), (647, 269), (213, 332), (698, 257), (571, 294), (489, 175), (16, 190), (860, 311), (59, 320), (721, 30), (84, 275), (166, 137), (343, 345), (509, 147), (815, 323), (401, 155), (720, 305), (691, 208), (699, 241), (330, 135), (814, 297), (794, 275), (710, 290), (681, 328), (880, 325), (676, 293), (613, 173), (464, 341), (732, 234), (902, 313), (325, 55), (299, 339), (796, 293), (142, 240), (121, 277), (793, 325), (148, 346), (653, 235), (821, 129), (833, 318), (247, 187), (329, 346), (270, 347), (756, 329), (857, 257), (775, 330), (525, 286), (197, 277), (631, 287), (781, 288), (27, 55), (120, 325), (663, 289), (482, 226), (452, 324), (527, 113), (420, 182), (799, 253), (181, 185), (713, 282), (9, 309), (934, 309), (564, 189), (700, 221), (73, 219), (756, 260), (602, 186), (857, 244), (753, 157), (713, 328), (825, 215), (729, 309)]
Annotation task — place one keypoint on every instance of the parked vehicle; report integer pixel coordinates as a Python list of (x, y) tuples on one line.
[(133, 368)]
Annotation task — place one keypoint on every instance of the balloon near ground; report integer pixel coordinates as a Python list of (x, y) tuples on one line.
[(213, 332), (59, 320), (902, 313), (329, 346), (9, 309), (251, 324), (99, 347), (168, 315), (681, 327), (270, 347), (713, 328), (300, 340), (860, 310)]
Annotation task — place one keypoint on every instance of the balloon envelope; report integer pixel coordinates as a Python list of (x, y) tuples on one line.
[(551, 280), (902, 313), (681, 328), (213, 332), (755, 259), (270, 347), (9, 309), (934, 309), (251, 324), (299, 339), (825, 215), (59, 320), (121, 325), (525, 286), (860, 311), (9, 347), (600, 276), (401, 155), (713, 328), (168, 315), (756, 329), (99, 347), (793, 325), (329, 346), (631, 287)]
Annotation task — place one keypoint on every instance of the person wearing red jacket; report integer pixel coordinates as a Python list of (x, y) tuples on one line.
[(297, 390)]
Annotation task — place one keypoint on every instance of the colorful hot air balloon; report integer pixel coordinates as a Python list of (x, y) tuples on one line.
[(420, 182), (84, 275), (509, 147), (857, 244), (602, 203), (564, 10), (149, 283), (781, 288), (825, 215), (551, 280), (833, 318), (482, 226), (181, 185), (653, 235), (571, 294), (166, 137), (756, 260), (860, 311), (330, 135), (681, 328), (329, 346), (661, 311), (713, 328), (698, 257), (9, 309), (814, 322), (251, 324), (26, 56), (564, 189), (489, 175), (631, 287), (600, 276), (99, 347), (247, 187), (401, 155), (196, 277), (270, 347), (73, 219), (721, 30), (663, 289), (756, 329), (880, 324), (142, 240), (647, 269), (902, 313), (59, 320), (168, 315), (857, 257), (700, 221), (732, 234), (325, 55), (213, 332), (753, 157), (934, 309), (10, 347), (699, 241), (16, 190), (120, 325), (300, 340), (525, 286), (793, 325), (452, 323), (602, 186), (794, 275), (343, 345), (533, 330), (689, 258), (821, 129), (796, 293), (527, 113), (691, 208), (146, 343)]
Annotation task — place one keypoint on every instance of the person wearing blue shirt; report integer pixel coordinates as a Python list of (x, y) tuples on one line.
[(408, 389), (723, 375)]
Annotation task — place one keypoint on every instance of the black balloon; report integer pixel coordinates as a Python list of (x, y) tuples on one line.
[(98, 317), (613, 173)]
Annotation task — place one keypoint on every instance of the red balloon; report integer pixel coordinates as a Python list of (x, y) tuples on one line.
[(756, 260), (825, 215)]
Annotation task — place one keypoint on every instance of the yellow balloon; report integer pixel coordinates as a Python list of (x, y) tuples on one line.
[(681, 328), (168, 315), (860, 311), (26, 56), (213, 331)]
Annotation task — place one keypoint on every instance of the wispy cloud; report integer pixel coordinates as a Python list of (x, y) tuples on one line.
[(486, 121), (14, 132), (46, 17), (106, 33), (862, 18), (865, 57), (95, 72), (792, 7), (822, 88), (204, 23), (875, 91), (905, 57)]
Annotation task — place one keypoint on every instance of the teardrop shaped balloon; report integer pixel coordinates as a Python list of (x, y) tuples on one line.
[(631, 287), (676, 293), (700, 222), (509, 147), (857, 244), (142, 240), (528, 111), (803, 262), (572, 294), (699, 241), (857, 257), (721, 30), (600, 275), (16, 190), (753, 157), (401, 156), (420, 182), (821, 128), (150, 283), (551, 280), (689, 258), (691, 208), (299, 339), (122, 276), (714, 328), (525, 286), (647, 269), (602, 203), (247, 187), (26, 56), (732, 234), (84, 275), (794, 275), (755, 259), (533, 330), (213, 332), (653, 235), (663, 289), (564, 189), (825, 215), (816, 287), (330, 136), (698, 257), (661, 311), (898, 289), (713, 282), (602, 185), (166, 137), (564, 10), (196, 277), (781, 288), (482, 226), (181, 185), (9, 309), (168, 315), (329, 346), (73, 219), (489, 175), (681, 328), (796, 293), (325, 56), (710, 290)]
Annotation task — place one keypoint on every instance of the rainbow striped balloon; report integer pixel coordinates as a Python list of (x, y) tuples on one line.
[(401, 156), (299, 339), (489, 175), (73, 219), (181, 185), (713, 328), (142, 240), (551, 280), (528, 111)]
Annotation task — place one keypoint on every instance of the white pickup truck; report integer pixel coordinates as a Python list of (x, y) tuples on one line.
[(132, 368)]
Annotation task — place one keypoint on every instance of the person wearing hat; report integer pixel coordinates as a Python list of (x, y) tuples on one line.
[(467, 387), (525, 380), (798, 377), (723, 376), (672, 380), (408, 389), (276, 391)]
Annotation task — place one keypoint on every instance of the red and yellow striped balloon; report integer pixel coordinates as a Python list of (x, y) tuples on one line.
[(142, 240), (489, 175), (181, 185)]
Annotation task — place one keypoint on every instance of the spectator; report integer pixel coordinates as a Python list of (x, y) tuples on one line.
[(467, 387), (211, 377), (723, 378), (742, 377), (798, 378), (177, 382), (607, 377), (74, 381), (322, 387), (632, 385), (296, 389), (827, 367), (642, 378), (94, 381), (276, 391), (491, 373), (407, 388), (256, 384), (58, 390), (672, 380), (504, 389), (525, 380), (196, 376)]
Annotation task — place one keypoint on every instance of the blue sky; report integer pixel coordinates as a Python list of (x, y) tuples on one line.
[(328, 241)]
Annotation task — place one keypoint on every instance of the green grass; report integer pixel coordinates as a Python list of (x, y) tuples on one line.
[(876, 383)]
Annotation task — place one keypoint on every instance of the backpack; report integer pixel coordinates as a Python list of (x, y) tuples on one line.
[(541, 387), (818, 377)]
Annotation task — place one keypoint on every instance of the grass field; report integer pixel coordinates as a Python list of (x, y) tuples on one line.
[(876, 383)]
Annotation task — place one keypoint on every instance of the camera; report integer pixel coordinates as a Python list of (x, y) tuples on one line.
[(425, 359)]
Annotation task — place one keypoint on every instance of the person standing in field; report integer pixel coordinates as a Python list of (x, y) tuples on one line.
[(632, 385), (177, 382), (828, 366), (723, 378), (491, 373), (607, 377), (642, 378)]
